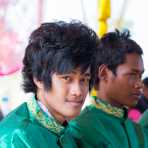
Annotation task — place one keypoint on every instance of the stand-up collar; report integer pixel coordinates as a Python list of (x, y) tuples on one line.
[(108, 108), (48, 122)]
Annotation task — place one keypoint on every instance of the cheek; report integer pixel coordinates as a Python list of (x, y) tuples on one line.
[(131, 82), (85, 90), (60, 88), (125, 82), (120, 87), (62, 92)]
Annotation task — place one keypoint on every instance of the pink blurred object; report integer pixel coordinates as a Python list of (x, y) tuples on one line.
[(10, 58), (134, 115), (4, 3)]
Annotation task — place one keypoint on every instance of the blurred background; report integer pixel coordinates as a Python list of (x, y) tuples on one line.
[(18, 18)]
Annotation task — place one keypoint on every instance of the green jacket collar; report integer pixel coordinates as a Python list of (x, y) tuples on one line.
[(108, 108), (37, 113)]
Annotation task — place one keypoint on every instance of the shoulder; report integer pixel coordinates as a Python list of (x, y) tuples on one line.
[(86, 127), (144, 119), (85, 116), (27, 137), (14, 120), (92, 117), (18, 129), (11, 126)]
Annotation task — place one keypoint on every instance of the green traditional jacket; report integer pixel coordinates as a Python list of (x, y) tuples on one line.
[(104, 126), (144, 122), (29, 127), (144, 119)]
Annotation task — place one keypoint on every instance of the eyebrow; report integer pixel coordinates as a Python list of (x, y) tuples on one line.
[(87, 74)]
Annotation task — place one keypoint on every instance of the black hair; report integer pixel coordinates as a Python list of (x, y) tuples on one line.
[(113, 48), (145, 81), (57, 47)]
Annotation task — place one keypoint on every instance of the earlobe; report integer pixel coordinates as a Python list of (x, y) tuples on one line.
[(38, 83), (103, 72)]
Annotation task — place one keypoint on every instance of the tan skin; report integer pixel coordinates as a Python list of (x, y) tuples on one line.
[(67, 94), (124, 88)]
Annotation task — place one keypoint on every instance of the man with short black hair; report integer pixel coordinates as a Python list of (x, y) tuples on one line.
[(57, 69), (105, 123)]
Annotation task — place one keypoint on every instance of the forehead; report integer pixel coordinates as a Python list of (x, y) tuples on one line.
[(77, 71), (81, 71), (134, 62)]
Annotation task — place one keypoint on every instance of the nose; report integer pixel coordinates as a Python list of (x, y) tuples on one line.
[(76, 89)]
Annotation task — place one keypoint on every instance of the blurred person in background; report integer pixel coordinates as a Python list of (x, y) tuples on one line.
[(136, 112), (144, 118), (57, 70)]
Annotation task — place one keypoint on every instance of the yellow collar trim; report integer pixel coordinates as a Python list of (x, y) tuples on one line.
[(37, 113), (108, 108)]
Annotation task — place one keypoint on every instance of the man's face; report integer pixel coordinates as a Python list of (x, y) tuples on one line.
[(124, 88), (67, 94)]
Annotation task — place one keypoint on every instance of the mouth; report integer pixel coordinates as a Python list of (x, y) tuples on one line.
[(136, 96), (75, 103)]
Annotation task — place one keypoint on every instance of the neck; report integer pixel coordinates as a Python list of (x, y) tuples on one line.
[(111, 101), (50, 112), (58, 117)]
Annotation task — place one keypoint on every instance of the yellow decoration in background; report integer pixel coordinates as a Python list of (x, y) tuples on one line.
[(104, 11), (103, 14), (102, 28)]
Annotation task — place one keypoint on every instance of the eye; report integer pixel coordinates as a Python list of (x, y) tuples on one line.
[(66, 78), (135, 76), (85, 80)]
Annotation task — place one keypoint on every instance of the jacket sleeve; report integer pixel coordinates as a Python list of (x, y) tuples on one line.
[(16, 139)]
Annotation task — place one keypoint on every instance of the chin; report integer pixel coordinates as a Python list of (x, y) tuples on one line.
[(133, 104), (72, 116)]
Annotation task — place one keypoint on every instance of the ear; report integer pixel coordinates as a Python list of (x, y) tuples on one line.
[(38, 83), (103, 72)]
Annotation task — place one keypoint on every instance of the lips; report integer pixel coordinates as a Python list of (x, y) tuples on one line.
[(136, 95), (75, 103)]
